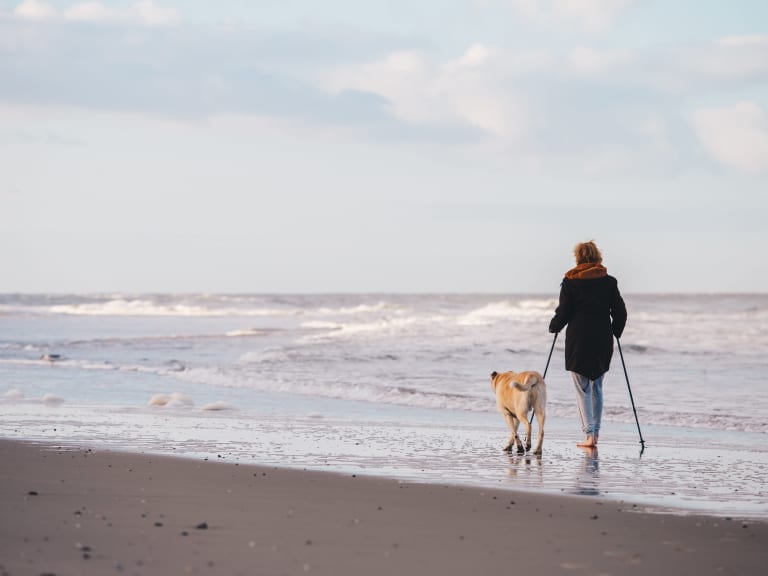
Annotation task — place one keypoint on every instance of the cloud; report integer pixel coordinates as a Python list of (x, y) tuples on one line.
[(583, 60), (145, 12), (720, 66), (90, 12), (155, 15), (35, 10), (731, 57), (748, 40), (422, 90), (735, 136), (593, 15)]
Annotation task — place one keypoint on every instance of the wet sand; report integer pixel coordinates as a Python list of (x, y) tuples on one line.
[(83, 511)]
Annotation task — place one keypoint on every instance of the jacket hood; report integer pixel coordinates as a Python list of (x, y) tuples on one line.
[(587, 271)]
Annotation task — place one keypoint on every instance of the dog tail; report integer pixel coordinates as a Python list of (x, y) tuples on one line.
[(528, 382)]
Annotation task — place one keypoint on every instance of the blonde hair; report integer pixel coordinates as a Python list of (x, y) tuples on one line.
[(587, 252)]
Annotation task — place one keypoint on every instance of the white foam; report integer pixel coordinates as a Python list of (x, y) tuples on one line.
[(245, 333), (52, 399), (355, 310), (170, 400), (505, 310), (381, 327), (139, 307), (16, 396)]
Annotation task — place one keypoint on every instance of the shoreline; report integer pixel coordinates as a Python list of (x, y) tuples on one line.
[(89, 511), (683, 471)]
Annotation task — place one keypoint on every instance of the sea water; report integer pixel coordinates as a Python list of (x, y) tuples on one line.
[(398, 385)]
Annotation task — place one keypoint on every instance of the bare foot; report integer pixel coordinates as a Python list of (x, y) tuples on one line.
[(590, 442)]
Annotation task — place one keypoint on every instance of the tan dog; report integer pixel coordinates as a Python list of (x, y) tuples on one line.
[(516, 394)]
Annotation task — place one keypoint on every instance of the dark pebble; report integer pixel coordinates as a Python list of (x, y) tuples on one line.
[(158, 524), (185, 533), (32, 493), (593, 517), (202, 526)]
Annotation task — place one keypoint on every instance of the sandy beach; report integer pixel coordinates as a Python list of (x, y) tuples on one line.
[(82, 511)]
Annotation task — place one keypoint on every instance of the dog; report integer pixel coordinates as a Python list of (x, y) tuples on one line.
[(516, 394)]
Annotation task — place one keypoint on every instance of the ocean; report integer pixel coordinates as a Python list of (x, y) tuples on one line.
[(398, 385)]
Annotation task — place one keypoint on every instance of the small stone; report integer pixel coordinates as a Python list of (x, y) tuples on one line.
[(32, 493), (202, 526)]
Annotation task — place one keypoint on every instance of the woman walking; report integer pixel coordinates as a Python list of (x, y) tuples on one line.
[(592, 307)]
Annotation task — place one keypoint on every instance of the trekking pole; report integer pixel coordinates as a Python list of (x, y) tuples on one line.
[(545, 369), (631, 399)]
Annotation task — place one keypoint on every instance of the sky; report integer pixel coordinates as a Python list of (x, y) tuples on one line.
[(382, 146)]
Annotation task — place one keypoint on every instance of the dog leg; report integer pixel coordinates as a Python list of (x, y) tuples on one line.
[(540, 417), (512, 424), (528, 430), (520, 448)]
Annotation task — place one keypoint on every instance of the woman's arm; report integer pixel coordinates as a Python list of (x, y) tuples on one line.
[(563, 311), (618, 313)]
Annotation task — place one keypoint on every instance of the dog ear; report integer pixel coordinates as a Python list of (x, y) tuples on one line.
[(493, 375)]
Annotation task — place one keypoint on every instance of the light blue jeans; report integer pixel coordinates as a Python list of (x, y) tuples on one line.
[(589, 398)]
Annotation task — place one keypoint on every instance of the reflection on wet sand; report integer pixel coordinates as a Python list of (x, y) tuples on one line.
[(588, 475), (520, 465)]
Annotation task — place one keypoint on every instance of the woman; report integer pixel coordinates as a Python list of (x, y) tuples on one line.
[(592, 307)]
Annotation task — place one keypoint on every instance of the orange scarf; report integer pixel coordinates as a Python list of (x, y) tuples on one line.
[(587, 271)]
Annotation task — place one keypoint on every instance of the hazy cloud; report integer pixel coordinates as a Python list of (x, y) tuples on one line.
[(590, 14), (593, 107), (35, 10), (145, 12), (422, 90), (583, 60), (736, 136)]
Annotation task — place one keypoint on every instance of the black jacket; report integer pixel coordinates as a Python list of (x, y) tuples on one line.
[(594, 312)]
